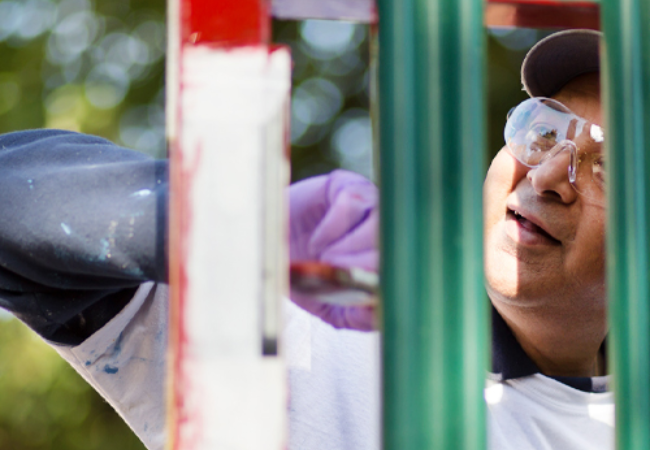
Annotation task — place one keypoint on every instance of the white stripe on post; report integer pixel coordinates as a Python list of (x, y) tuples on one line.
[(229, 266)]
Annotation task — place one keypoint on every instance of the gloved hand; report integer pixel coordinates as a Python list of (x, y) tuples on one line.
[(334, 219)]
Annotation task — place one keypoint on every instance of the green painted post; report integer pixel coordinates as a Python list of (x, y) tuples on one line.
[(626, 82), (431, 60)]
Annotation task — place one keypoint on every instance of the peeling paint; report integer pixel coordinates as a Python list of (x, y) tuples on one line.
[(141, 193), (105, 250), (66, 229)]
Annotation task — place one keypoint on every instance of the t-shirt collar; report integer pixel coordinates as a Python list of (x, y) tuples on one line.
[(510, 361)]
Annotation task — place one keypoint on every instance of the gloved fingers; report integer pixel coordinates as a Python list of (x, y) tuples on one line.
[(308, 204), (344, 180), (350, 208), (358, 247)]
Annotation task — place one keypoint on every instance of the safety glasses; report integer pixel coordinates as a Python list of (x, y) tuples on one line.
[(542, 129)]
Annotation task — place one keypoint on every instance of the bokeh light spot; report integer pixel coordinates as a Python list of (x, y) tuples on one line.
[(142, 128), (10, 18), (63, 100), (316, 101), (328, 39), (72, 36), (107, 85), (352, 142), (37, 17)]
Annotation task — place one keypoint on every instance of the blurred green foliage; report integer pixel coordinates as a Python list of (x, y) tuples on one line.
[(92, 67), (46, 405), (98, 67)]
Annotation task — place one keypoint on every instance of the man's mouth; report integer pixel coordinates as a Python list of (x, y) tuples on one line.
[(530, 231)]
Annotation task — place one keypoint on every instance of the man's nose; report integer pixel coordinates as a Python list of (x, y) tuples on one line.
[(551, 178)]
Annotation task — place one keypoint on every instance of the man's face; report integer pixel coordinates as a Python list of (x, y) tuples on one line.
[(544, 242)]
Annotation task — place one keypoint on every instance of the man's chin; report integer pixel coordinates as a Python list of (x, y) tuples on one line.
[(514, 289)]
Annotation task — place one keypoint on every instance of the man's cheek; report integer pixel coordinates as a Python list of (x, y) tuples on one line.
[(496, 187)]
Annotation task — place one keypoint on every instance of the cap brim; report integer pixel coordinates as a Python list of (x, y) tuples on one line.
[(557, 59)]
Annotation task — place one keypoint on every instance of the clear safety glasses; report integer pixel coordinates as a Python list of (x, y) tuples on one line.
[(542, 129)]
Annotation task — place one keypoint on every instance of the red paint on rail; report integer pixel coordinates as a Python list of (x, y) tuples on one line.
[(542, 14), (227, 23), (559, 3)]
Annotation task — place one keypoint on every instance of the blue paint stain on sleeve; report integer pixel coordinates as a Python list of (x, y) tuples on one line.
[(110, 370), (117, 348), (88, 363)]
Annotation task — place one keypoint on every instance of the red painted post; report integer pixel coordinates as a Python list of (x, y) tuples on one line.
[(228, 103), (228, 23)]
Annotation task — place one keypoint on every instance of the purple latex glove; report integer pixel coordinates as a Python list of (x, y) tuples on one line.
[(334, 219)]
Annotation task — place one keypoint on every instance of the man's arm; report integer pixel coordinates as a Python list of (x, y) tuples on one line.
[(82, 225)]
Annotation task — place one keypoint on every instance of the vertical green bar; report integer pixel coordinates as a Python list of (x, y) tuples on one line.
[(627, 125), (431, 61)]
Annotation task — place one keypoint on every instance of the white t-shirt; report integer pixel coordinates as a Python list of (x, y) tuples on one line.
[(334, 386), (540, 413)]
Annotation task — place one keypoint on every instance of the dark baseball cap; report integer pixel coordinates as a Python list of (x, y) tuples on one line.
[(557, 59)]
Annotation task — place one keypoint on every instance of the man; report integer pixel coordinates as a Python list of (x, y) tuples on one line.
[(95, 286), (545, 257)]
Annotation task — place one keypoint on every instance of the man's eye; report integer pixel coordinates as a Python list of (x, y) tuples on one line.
[(598, 169), (599, 164)]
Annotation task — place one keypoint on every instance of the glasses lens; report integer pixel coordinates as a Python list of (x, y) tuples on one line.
[(535, 128), (540, 128), (590, 169)]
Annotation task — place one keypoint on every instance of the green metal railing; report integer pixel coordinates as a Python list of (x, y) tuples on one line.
[(432, 144), (626, 24), (432, 139)]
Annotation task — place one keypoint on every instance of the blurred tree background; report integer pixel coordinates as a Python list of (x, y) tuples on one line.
[(98, 67)]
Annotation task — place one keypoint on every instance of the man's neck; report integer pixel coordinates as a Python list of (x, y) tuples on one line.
[(558, 343)]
